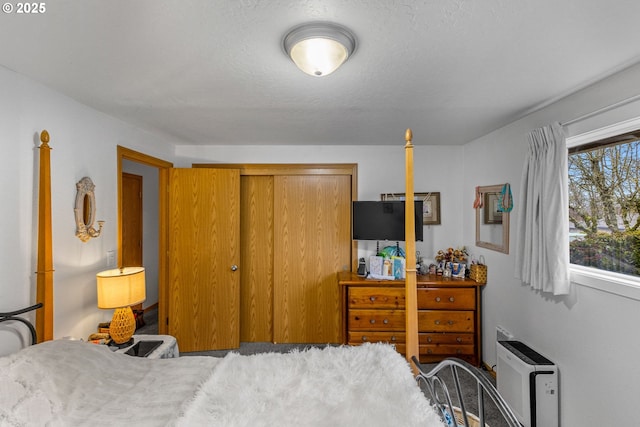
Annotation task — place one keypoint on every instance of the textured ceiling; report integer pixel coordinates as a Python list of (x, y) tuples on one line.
[(214, 72)]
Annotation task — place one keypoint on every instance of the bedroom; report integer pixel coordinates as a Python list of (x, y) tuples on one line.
[(591, 338)]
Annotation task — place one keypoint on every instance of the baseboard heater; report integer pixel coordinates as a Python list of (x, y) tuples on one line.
[(528, 382)]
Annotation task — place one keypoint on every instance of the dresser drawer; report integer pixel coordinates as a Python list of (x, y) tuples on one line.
[(376, 320), (445, 321), (455, 338), (446, 350), (376, 298), (359, 337), (447, 299)]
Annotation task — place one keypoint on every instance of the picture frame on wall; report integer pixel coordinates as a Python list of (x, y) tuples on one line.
[(430, 205), (492, 213)]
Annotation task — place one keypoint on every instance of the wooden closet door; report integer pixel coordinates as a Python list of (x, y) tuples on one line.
[(204, 237), (256, 255), (312, 243)]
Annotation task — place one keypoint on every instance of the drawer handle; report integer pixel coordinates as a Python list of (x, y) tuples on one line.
[(437, 322), (393, 338), (372, 321), (458, 351), (450, 322), (372, 298), (452, 299), (364, 338), (385, 321), (429, 339), (437, 299), (429, 351), (459, 339)]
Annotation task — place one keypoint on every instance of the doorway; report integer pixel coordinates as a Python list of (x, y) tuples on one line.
[(154, 217)]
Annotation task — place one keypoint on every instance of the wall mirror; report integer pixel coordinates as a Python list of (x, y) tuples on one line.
[(492, 226), (85, 210)]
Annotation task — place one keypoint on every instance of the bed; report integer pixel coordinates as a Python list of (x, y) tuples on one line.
[(70, 382), (64, 382), (67, 382)]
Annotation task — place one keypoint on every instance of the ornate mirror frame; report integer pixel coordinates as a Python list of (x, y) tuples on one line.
[(481, 218), (85, 210)]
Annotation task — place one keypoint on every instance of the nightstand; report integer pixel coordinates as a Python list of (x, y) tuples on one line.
[(167, 350)]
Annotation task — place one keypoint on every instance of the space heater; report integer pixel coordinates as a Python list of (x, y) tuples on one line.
[(528, 382)]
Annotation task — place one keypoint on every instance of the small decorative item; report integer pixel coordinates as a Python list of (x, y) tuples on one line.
[(446, 272), (478, 271), (375, 265), (85, 210), (457, 269), (452, 255), (432, 269)]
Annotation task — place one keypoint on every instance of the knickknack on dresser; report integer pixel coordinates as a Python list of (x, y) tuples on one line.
[(448, 315)]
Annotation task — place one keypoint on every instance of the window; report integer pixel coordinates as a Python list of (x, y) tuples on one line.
[(604, 203)]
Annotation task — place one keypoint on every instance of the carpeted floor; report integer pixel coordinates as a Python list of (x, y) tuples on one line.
[(492, 416)]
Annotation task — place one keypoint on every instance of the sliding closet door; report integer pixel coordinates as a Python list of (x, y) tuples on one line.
[(312, 243), (256, 255), (204, 238)]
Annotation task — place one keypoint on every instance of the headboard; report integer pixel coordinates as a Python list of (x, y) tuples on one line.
[(13, 316)]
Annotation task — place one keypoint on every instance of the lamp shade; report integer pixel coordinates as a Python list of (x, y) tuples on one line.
[(319, 48), (121, 287)]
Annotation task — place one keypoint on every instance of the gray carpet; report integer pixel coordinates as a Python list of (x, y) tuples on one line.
[(492, 416)]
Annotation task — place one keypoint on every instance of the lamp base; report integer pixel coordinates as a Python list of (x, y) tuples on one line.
[(123, 325)]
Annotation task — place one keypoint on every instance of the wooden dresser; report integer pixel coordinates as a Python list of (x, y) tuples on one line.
[(449, 323)]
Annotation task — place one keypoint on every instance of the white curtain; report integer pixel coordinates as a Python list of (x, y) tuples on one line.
[(542, 249)]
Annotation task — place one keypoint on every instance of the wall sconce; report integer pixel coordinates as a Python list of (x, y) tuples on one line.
[(85, 210), (120, 289), (319, 48)]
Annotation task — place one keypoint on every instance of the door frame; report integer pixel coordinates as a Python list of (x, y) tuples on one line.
[(163, 167)]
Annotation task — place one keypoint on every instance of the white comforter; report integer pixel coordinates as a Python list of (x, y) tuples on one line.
[(70, 383)]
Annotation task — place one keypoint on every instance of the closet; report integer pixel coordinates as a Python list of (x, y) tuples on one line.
[(294, 236)]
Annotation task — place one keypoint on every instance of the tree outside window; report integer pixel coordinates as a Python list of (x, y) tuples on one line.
[(604, 204)]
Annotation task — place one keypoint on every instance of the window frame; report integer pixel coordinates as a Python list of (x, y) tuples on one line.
[(606, 281)]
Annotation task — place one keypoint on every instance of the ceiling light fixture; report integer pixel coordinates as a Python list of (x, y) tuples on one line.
[(319, 48)]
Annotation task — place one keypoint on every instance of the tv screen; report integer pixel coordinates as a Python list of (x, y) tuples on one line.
[(374, 220)]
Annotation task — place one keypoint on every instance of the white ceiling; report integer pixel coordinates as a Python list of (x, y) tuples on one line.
[(214, 72)]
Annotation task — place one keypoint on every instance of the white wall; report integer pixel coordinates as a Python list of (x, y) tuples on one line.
[(591, 335), (380, 170), (83, 143)]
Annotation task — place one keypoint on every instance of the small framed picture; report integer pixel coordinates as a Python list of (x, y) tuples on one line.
[(492, 215), (430, 205)]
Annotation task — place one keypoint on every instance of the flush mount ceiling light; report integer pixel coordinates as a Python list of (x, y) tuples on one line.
[(319, 48)]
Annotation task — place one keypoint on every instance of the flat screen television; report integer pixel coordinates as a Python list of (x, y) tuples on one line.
[(383, 220)]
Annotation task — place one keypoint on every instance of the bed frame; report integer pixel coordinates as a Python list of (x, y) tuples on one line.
[(13, 316), (432, 380)]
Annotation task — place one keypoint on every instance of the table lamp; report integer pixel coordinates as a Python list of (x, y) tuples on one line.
[(120, 289)]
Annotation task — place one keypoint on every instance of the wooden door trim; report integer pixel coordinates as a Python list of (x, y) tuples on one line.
[(286, 168), (163, 167)]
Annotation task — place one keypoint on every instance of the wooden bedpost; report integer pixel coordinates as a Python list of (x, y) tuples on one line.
[(411, 294), (44, 273)]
